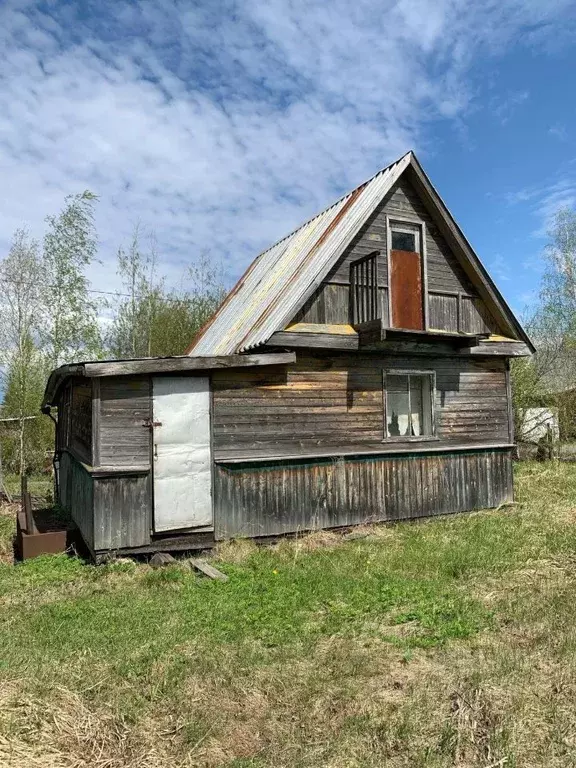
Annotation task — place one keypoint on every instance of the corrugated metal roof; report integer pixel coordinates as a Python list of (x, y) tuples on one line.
[(279, 282), (283, 277)]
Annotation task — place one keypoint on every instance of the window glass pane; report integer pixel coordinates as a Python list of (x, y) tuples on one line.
[(397, 415), (420, 405), (409, 405), (403, 241), (427, 395), (416, 405)]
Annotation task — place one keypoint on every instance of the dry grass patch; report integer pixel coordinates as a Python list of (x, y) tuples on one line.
[(7, 531), (235, 550), (64, 731), (350, 703), (309, 542)]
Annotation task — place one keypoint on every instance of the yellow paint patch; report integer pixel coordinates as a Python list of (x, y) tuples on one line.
[(441, 330), (496, 337), (344, 330)]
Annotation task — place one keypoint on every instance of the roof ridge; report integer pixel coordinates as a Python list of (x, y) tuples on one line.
[(332, 205)]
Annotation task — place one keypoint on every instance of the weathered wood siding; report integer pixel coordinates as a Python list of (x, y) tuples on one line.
[(76, 494), (122, 511), (64, 415), (74, 430), (443, 312), (476, 318), (124, 405), (338, 399), (81, 421), (331, 304), (110, 512), (272, 498), (445, 276)]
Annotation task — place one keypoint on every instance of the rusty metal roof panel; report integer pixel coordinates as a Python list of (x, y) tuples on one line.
[(283, 277)]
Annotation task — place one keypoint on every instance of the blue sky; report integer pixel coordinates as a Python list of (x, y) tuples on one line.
[(223, 125)]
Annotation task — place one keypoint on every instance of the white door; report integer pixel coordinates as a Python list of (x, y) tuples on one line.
[(182, 458)]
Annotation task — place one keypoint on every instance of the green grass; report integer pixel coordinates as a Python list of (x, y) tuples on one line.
[(445, 642)]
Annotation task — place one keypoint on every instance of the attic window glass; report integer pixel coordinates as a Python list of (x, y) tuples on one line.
[(403, 241), (409, 405)]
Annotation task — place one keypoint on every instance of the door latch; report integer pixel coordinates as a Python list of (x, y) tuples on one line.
[(150, 424)]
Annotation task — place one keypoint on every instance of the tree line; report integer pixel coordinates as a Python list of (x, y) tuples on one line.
[(49, 315), (548, 378)]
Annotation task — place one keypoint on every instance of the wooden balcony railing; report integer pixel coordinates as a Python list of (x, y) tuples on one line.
[(364, 289)]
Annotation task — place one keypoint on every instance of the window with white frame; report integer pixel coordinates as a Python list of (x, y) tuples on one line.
[(409, 397), (404, 237)]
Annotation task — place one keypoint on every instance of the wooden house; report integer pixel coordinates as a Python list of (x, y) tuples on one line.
[(358, 371)]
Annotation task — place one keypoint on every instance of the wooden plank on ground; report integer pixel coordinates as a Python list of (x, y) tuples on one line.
[(207, 570)]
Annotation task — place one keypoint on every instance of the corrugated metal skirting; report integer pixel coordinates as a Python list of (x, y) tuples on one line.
[(270, 498)]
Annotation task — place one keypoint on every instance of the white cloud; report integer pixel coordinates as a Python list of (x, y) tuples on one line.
[(562, 194), (559, 132), (499, 268), (222, 126), (504, 108), (546, 200)]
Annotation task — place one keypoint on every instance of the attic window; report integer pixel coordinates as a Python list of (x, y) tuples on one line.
[(409, 404), (403, 241)]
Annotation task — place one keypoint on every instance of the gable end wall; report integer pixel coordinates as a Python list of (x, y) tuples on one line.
[(445, 275)]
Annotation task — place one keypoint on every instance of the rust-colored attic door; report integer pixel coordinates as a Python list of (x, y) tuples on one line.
[(406, 290)]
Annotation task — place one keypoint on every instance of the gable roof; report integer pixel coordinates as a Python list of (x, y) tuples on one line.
[(279, 281)]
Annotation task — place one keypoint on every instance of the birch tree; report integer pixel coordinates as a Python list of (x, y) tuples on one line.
[(559, 281), (549, 377), (130, 334), (69, 330), (151, 320), (30, 438), (20, 281)]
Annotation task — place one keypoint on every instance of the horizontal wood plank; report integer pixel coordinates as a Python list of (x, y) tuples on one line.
[(313, 340), (329, 398), (124, 406), (184, 363)]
